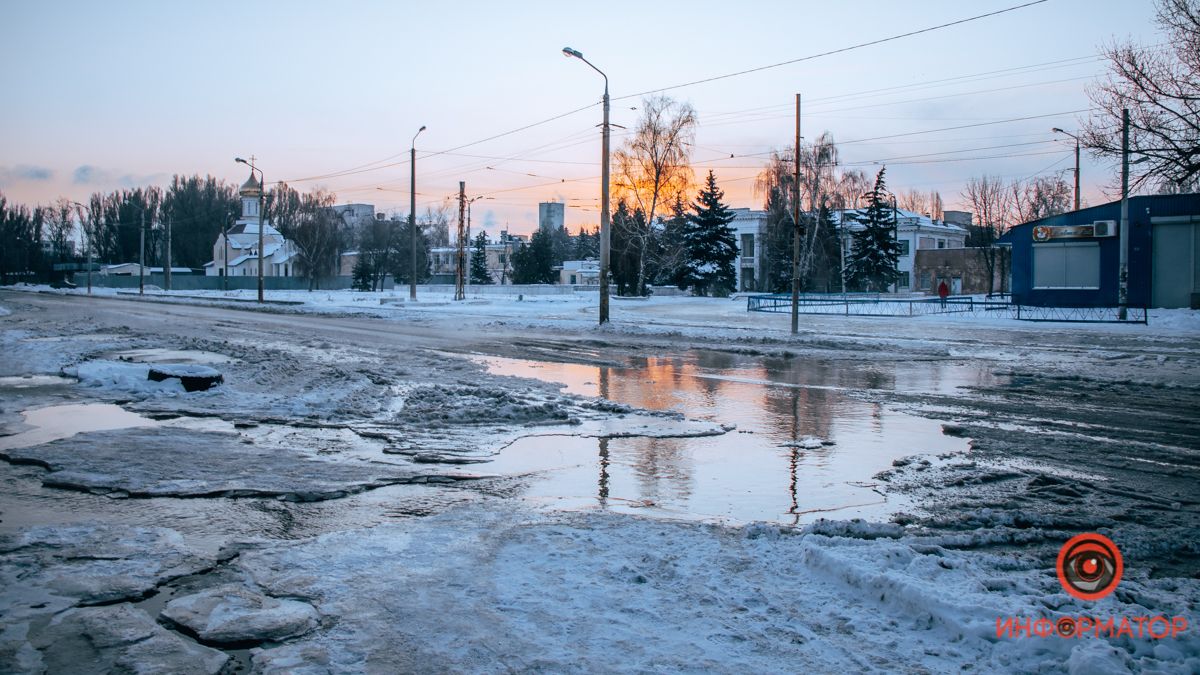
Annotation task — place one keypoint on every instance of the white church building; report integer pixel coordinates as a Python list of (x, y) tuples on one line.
[(235, 253)]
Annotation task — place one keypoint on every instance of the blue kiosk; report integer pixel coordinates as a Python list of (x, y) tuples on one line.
[(1073, 259)]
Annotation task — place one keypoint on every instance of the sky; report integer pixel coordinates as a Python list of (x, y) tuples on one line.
[(109, 95)]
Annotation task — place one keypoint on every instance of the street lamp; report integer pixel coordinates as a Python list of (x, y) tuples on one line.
[(1067, 133), (412, 213), (604, 211), (262, 188), (89, 243)]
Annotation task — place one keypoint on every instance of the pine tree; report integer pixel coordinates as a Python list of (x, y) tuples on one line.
[(874, 250), (362, 275), (479, 268), (671, 252), (533, 262), (710, 243)]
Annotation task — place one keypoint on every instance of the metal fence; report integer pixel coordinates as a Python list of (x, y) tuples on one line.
[(872, 304)]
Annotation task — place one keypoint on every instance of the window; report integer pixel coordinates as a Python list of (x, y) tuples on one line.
[(926, 281), (941, 243), (1066, 265), (747, 245), (903, 247), (904, 280)]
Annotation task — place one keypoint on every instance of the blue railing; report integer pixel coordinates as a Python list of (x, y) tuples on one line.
[(873, 304)]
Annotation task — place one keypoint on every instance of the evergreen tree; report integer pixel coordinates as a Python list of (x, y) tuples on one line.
[(874, 251), (710, 243), (671, 252), (586, 245), (627, 229), (479, 268), (362, 275), (533, 262), (403, 257), (560, 245)]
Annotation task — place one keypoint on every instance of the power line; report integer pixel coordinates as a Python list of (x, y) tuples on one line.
[(832, 51)]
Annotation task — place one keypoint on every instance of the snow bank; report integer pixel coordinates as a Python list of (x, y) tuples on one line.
[(586, 592)]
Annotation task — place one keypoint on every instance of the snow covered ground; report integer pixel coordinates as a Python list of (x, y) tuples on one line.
[(330, 508)]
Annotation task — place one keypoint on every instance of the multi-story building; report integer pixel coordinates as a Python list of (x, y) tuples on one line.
[(750, 228), (443, 260), (914, 231)]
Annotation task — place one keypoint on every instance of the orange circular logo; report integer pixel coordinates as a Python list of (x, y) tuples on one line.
[(1089, 566), (1041, 233)]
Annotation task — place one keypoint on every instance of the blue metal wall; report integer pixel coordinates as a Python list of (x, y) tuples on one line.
[(1141, 209)]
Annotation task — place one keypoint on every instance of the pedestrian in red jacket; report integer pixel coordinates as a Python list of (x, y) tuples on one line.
[(943, 291)]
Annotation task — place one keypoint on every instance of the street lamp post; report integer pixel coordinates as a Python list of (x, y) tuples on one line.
[(412, 213), (1067, 133), (262, 189), (605, 236)]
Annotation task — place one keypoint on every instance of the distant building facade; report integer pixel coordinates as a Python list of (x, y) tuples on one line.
[(443, 260), (551, 215), (914, 231), (750, 231)]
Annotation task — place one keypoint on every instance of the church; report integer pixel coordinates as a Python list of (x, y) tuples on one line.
[(235, 252)]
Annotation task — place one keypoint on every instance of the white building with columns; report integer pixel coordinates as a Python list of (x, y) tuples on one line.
[(237, 254)]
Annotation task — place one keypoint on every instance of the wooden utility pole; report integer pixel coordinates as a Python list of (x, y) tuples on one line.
[(797, 230), (461, 255)]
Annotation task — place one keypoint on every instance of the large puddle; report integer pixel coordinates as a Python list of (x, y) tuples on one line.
[(773, 467)]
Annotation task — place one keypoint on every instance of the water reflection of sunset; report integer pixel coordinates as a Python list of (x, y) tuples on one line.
[(750, 473)]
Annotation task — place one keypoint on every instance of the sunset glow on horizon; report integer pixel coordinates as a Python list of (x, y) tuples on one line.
[(105, 96)]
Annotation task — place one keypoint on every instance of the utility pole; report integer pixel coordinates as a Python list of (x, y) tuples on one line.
[(225, 257), (459, 273), (262, 194), (1077, 173), (167, 267), (797, 230), (1123, 288), (896, 240), (142, 253), (412, 214)]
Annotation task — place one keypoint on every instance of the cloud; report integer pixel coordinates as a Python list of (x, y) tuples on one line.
[(24, 172), (88, 174)]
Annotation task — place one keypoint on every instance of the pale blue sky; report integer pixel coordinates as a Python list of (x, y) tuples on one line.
[(109, 94)]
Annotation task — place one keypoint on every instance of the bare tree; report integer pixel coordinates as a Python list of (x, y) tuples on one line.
[(992, 202), (1040, 197), (378, 240), (314, 233), (1161, 88), (926, 203), (60, 228), (436, 224), (654, 167), (914, 200)]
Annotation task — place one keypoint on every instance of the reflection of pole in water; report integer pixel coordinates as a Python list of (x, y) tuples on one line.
[(603, 494), (604, 383), (794, 461)]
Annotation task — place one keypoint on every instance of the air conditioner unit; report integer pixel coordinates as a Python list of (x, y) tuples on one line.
[(1104, 228)]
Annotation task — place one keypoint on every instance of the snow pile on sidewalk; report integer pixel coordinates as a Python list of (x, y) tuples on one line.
[(586, 592)]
